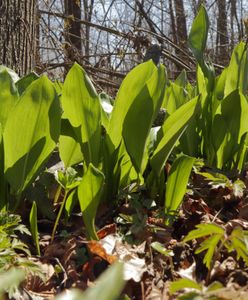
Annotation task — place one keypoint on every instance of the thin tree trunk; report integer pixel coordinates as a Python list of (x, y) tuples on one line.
[(72, 30), (88, 10), (222, 34), (180, 23), (173, 22), (18, 35)]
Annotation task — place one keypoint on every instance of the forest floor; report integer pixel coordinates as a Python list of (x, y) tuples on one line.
[(155, 254)]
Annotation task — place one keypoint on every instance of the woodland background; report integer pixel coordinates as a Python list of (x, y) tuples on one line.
[(109, 37)]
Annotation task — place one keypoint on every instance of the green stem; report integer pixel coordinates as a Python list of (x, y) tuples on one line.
[(56, 198), (59, 215)]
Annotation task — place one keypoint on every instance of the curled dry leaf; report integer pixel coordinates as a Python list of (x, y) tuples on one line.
[(134, 266)]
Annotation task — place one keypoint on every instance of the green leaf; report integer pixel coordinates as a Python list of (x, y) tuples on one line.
[(198, 34), (204, 230), (31, 133), (183, 284), (81, 107), (89, 195), (8, 96), (109, 286), (214, 286), (71, 201), (69, 144), (210, 245), (143, 109), (192, 296), (170, 132), (237, 70), (14, 76), (161, 249), (25, 81), (34, 226), (229, 126), (238, 244), (68, 179), (3, 183), (11, 279), (133, 87), (177, 182)]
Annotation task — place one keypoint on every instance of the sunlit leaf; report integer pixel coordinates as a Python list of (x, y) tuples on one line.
[(170, 132), (204, 230), (31, 133), (81, 107), (210, 244), (183, 284), (177, 182), (89, 195), (34, 226)]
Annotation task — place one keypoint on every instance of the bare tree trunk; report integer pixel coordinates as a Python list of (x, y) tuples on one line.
[(173, 22), (222, 34), (88, 10), (72, 30), (18, 34), (180, 23), (234, 16)]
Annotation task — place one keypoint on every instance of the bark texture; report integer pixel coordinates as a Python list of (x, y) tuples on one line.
[(18, 35), (72, 30)]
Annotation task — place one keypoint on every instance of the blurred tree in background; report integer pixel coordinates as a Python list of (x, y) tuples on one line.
[(18, 34), (110, 37)]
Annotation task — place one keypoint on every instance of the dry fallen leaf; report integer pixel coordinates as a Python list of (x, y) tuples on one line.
[(134, 266)]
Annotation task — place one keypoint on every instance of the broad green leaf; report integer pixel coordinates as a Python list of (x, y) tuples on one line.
[(58, 87), (197, 42), (34, 226), (8, 96), (220, 84), (107, 287), (89, 195), (177, 182), (81, 107), (69, 144), (204, 230), (198, 34), (210, 244), (170, 132), (133, 88), (174, 97), (71, 201), (143, 110), (14, 76), (183, 284), (111, 167), (25, 81), (31, 133), (229, 126), (237, 70), (181, 79), (69, 151)]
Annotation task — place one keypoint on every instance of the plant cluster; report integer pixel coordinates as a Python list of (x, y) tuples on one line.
[(115, 143)]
